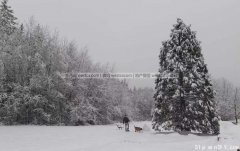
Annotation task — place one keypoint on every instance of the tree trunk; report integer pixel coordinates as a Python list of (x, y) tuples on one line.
[(235, 106)]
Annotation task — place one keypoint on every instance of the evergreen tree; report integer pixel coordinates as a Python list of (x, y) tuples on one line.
[(186, 102), (7, 18)]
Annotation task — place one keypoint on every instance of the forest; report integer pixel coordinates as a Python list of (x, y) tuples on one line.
[(32, 90)]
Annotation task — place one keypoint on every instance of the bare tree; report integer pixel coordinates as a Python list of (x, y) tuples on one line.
[(224, 98), (236, 105)]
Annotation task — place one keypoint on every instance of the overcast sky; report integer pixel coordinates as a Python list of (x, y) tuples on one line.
[(128, 33)]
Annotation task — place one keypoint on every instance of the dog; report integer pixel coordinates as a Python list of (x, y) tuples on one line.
[(137, 129), (119, 127)]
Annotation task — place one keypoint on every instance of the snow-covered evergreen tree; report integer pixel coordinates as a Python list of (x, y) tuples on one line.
[(7, 18), (184, 103), (7, 26)]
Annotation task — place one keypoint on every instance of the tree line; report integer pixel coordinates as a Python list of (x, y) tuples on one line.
[(227, 99), (33, 90)]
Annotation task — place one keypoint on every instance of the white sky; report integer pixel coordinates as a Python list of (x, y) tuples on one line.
[(128, 33)]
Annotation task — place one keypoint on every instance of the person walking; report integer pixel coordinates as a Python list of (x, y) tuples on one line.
[(126, 122)]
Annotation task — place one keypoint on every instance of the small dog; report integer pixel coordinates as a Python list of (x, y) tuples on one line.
[(137, 129), (119, 127)]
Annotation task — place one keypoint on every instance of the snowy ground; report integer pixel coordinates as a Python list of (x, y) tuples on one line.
[(109, 138)]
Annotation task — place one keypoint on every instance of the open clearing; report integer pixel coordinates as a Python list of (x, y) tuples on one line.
[(109, 138)]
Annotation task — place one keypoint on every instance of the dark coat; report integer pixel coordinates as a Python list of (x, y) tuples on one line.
[(126, 120)]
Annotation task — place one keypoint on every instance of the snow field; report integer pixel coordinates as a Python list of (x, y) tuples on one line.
[(110, 138)]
